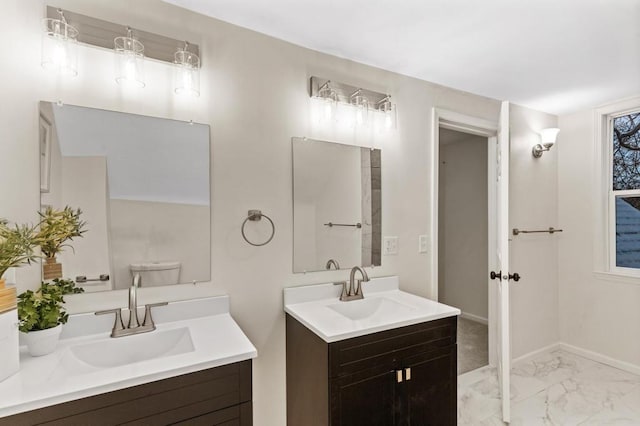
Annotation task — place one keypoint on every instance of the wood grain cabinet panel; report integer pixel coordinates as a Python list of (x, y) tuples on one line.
[(217, 396), (401, 377)]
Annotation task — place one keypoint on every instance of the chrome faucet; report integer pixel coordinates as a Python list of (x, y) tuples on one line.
[(133, 326), (354, 292), (133, 302), (332, 262)]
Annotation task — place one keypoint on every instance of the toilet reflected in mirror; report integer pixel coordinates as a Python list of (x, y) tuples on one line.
[(153, 274)]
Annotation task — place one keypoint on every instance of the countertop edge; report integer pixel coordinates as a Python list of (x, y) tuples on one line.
[(364, 332), (127, 383)]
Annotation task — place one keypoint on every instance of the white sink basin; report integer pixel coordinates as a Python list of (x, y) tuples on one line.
[(114, 352), (384, 307), (365, 308)]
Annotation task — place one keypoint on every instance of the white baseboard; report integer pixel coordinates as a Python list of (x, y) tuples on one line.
[(528, 356), (585, 353), (598, 357), (474, 318)]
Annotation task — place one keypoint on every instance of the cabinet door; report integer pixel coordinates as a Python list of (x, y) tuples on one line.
[(429, 394), (366, 398)]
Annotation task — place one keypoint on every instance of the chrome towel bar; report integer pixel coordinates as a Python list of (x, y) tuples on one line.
[(551, 230), (355, 225)]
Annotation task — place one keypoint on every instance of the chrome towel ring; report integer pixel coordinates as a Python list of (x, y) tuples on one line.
[(255, 216)]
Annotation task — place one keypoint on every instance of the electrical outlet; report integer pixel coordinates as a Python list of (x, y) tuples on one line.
[(390, 246), (423, 243)]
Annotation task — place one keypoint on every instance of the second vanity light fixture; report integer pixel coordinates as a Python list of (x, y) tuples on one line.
[(547, 140), (364, 104), (131, 47)]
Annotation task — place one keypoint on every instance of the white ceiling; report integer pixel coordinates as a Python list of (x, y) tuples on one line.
[(552, 55)]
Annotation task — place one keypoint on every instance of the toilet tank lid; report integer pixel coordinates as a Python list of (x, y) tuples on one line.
[(154, 266)]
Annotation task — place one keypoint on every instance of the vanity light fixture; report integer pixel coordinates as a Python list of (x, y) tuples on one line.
[(129, 60), (366, 108), (60, 45), (187, 72), (329, 99), (361, 104), (547, 139)]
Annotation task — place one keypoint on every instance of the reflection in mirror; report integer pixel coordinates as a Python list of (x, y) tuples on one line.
[(142, 184), (336, 206)]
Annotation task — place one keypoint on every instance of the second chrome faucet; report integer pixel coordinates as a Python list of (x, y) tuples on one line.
[(354, 289)]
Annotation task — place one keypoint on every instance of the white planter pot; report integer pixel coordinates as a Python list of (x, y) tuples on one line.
[(42, 342)]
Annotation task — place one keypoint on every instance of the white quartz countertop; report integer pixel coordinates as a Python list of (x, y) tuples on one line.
[(60, 377), (318, 307)]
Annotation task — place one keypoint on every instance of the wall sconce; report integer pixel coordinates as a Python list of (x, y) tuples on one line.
[(361, 104), (329, 98), (59, 45), (547, 139), (365, 105), (129, 60), (187, 73)]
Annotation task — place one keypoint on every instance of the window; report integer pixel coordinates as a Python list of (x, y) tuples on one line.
[(624, 196)]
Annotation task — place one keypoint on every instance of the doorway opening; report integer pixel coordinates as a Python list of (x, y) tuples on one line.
[(463, 240)]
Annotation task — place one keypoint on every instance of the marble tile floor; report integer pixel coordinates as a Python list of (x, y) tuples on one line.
[(553, 389), (473, 345)]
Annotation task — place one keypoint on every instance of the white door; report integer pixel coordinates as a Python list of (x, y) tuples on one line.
[(502, 259)]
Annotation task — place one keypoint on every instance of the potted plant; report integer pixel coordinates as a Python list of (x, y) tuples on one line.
[(57, 228), (41, 315), (17, 244)]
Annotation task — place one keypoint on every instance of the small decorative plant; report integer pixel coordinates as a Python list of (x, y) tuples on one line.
[(41, 309), (57, 227), (41, 314), (17, 244)]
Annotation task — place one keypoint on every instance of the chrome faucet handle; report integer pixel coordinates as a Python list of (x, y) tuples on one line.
[(148, 319), (118, 325)]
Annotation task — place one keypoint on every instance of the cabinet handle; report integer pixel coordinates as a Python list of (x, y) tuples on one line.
[(407, 373), (399, 376)]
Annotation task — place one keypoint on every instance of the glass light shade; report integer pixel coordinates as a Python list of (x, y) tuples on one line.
[(187, 73), (548, 136), (386, 107), (59, 47), (329, 99), (361, 104), (129, 61)]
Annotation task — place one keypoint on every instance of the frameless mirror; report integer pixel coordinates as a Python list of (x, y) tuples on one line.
[(336, 206), (142, 184)]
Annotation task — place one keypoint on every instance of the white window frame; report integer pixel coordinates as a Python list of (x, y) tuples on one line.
[(605, 241)]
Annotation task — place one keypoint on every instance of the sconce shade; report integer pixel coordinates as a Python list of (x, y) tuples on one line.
[(129, 60), (386, 107), (59, 46), (361, 104), (548, 136), (329, 99), (187, 72)]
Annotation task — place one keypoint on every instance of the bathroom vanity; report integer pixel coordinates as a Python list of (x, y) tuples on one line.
[(195, 368), (389, 359)]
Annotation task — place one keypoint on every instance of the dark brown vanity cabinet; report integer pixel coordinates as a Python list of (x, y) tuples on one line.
[(405, 376), (217, 396)]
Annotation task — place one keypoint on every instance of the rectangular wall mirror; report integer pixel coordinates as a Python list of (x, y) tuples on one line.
[(336, 206), (142, 184)]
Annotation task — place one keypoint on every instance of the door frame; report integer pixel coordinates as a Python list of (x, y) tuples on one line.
[(442, 118)]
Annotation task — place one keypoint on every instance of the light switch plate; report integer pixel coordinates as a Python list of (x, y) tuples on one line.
[(390, 246), (423, 243)]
